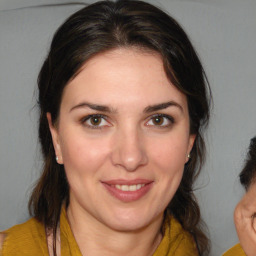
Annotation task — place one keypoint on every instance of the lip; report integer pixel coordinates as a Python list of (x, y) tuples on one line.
[(127, 196)]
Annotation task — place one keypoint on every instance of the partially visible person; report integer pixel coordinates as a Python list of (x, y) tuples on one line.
[(245, 212)]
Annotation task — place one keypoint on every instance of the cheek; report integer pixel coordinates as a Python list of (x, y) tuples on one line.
[(170, 154), (82, 155), (169, 158)]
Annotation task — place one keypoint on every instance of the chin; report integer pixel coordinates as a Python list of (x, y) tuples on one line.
[(127, 226), (130, 221)]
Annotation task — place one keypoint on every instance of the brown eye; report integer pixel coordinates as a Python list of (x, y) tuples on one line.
[(95, 121), (159, 120)]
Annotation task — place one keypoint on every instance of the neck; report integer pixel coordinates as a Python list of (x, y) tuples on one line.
[(95, 238)]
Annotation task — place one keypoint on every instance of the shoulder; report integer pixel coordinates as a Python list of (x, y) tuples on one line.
[(2, 237), (25, 237), (183, 239), (176, 241), (29, 228), (177, 229), (235, 250)]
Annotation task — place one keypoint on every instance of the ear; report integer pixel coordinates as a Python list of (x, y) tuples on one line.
[(55, 139), (191, 141)]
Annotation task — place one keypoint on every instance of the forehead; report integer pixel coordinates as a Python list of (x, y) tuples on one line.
[(123, 76)]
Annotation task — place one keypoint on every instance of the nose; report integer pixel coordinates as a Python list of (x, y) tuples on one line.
[(129, 150)]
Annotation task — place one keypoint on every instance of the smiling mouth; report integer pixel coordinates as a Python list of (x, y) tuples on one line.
[(128, 191), (128, 187)]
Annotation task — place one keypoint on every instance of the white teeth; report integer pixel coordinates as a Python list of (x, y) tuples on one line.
[(129, 187), (132, 188), (124, 187), (138, 186)]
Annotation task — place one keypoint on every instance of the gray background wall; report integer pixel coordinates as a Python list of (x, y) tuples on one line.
[(224, 34)]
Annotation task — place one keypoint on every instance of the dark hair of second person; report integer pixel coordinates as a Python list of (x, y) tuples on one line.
[(248, 174)]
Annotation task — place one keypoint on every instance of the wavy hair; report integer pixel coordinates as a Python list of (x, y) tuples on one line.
[(100, 27)]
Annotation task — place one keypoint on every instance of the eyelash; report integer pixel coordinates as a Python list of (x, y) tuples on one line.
[(170, 119), (87, 118)]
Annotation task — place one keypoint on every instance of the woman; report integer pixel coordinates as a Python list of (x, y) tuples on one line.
[(245, 211), (123, 100)]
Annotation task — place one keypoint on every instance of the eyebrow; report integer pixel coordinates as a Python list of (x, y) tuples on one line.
[(97, 107), (161, 106), (107, 109)]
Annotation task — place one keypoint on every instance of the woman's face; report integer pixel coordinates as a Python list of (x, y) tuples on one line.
[(123, 137)]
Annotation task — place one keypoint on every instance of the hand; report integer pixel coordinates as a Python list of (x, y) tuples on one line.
[(245, 221)]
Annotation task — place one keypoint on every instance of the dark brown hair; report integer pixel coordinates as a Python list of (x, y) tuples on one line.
[(248, 174), (100, 27)]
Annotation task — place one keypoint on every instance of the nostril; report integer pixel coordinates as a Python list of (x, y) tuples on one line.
[(129, 160), (129, 151)]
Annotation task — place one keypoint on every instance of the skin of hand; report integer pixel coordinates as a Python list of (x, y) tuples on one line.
[(245, 221)]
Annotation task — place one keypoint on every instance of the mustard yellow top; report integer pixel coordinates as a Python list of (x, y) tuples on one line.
[(236, 250), (29, 239)]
